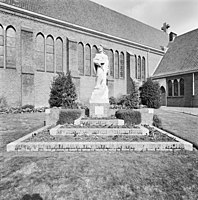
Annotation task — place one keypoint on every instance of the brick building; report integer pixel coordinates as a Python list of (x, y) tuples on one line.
[(42, 37), (178, 72)]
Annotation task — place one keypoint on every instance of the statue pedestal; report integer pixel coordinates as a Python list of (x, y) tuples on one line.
[(99, 103), (98, 110)]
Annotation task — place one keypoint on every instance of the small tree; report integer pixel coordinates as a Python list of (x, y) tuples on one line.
[(132, 99), (150, 94), (63, 91), (69, 93)]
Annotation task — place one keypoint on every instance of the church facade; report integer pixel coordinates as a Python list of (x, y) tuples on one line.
[(177, 72), (41, 38)]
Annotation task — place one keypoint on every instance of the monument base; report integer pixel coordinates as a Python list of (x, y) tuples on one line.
[(98, 110)]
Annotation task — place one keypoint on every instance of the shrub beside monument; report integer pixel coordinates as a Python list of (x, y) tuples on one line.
[(150, 94)]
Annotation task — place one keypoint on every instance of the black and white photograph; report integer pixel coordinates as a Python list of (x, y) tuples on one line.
[(98, 100)]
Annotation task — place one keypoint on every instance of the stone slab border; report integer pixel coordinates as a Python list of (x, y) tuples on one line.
[(59, 131), (19, 145)]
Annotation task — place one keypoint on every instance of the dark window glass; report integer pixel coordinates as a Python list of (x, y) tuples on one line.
[(81, 59), (50, 54), (40, 52), (11, 48), (170, 88), (59, 55), (181, 86)]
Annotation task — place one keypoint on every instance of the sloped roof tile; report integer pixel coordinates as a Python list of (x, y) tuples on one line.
[(181, 57), (94, 16)]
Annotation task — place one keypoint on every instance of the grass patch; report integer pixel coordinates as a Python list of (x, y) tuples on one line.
[(102, 176)]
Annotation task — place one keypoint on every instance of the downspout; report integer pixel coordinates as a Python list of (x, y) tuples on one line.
[(193, 87)]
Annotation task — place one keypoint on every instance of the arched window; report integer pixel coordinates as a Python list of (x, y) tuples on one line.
[(181, 86), (40, 52), (170, 88), (139, 68), (116, 64), (136, 70), (87, 60), (81, 58), (1, 47), (50, 54), (175, 87), (111, 63), (143, 69), (121, 65), (94, 52), (10, 47), (59, 55)]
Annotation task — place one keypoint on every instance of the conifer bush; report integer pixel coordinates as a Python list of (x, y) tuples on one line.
[(63, 92), (150, 94), (130, 117)]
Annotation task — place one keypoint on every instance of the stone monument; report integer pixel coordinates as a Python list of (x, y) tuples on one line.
[(99, 101)]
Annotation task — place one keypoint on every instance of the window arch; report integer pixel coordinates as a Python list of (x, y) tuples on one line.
[(11, 47), (111, 63), (170, 93), (94, 52), (59, 55), (50, 54), (40, 52), (87, 60), (143, 69), (81, 58), (1, 46), (181, 86), (121, 65), (175, 83), (139, 68), (136, 70), (116, 64)]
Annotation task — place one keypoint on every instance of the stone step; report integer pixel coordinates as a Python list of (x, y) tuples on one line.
[(117, 122), (58, 130)]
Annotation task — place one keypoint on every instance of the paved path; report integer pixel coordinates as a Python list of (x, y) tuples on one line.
[(185, 110)]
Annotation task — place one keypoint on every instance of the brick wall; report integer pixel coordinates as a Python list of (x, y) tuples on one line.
[(11, 80), (187, 99)]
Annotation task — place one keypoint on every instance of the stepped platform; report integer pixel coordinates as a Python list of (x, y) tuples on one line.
[(101, 122), (61, 131)]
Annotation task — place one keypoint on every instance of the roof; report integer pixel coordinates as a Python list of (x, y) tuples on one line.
[(181, 57), (90, 15)]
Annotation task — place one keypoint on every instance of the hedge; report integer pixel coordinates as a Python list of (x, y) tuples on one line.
[(68, 116), (130, 117)]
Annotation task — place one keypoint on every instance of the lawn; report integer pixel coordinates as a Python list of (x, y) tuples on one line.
[(97, 175), (116, 176)]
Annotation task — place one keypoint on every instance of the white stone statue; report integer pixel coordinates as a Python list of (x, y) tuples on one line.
[(101, 66)]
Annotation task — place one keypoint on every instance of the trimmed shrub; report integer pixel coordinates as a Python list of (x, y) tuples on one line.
[(150, 94), (130, 117), (68, 116), (27, 106), (157, 122), (63, 92)]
